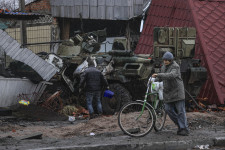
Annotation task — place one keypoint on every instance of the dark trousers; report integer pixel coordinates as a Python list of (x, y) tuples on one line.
[(176, 112)]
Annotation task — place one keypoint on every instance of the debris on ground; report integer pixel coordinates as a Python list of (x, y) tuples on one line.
[(76, 111), (36, 113), (32, 136), (33, 119), (54, 102), (202, 146), (27, 120), (69, 110)]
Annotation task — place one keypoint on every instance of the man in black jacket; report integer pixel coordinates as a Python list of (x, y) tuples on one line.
[(94, 82)]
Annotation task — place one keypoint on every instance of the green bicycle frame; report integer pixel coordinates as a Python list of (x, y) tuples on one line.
[(155, 102)]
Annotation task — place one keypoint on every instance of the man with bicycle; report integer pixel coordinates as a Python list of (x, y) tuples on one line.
[(173, 93)]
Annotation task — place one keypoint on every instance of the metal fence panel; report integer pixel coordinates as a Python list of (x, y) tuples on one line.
[(35, 34)]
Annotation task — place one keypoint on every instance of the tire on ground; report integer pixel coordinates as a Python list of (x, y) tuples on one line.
[(121, 96)]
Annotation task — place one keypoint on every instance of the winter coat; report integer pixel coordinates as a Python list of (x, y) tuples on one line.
[(94, 80), (173, 86)]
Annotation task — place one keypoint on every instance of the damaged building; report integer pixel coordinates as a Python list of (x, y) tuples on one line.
[(120, 18)]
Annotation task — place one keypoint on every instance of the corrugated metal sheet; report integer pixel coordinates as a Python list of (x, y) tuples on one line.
[(209, 19), (13, 90), (13, 49), (98, 9)]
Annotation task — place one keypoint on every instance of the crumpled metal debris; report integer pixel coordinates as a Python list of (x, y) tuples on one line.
[(54, 102)]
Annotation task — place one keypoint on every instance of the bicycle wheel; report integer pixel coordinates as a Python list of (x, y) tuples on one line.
[(160, 117), (133, 122)]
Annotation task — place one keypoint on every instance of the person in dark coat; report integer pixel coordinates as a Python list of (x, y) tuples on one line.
[(94, 82), (173, 93)]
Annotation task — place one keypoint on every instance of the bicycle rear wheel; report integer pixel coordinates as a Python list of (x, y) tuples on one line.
[(160, 117), (133, 122)]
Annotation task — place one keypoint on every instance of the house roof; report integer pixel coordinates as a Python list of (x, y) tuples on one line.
[(6, 14), (98, 9), (208, 17)]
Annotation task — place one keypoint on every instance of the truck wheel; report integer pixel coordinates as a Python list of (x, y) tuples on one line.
[(121, 96)]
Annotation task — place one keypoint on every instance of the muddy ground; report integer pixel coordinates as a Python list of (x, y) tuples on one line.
[(35, 120)]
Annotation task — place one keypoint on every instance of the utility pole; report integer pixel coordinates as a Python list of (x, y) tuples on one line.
[(23, 29)]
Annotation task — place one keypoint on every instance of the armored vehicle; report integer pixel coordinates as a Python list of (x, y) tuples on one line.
[(121, 67), (127, 73)]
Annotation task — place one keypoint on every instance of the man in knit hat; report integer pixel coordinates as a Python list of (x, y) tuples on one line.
[(173, 93)]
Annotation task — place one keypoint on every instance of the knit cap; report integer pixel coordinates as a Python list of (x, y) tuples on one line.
[(168, 56)]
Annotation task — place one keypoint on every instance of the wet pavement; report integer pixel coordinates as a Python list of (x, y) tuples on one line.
[(166, 139), (207, 132)]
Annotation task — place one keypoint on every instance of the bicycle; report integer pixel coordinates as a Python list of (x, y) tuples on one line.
[(139, 117)]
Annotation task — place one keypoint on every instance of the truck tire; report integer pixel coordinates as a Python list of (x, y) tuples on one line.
[(121, 96)]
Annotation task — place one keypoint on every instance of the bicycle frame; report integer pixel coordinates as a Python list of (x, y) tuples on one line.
[(155, 101)]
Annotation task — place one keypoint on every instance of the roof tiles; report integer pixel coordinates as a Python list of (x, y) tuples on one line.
[(216, 33), (209, 19)]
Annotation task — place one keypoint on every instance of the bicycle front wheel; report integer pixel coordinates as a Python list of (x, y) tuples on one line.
[(160, 118), (135, 122)]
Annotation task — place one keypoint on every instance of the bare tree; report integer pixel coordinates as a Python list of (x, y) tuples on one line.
[(7, 4)]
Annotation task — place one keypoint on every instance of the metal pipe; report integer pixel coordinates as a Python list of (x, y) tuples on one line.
[(42, 43)]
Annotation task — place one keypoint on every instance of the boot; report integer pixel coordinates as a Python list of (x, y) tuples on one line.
[(92, 116), (183, 132)]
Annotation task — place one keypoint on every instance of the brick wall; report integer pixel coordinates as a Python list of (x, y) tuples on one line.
[(39, 6)]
